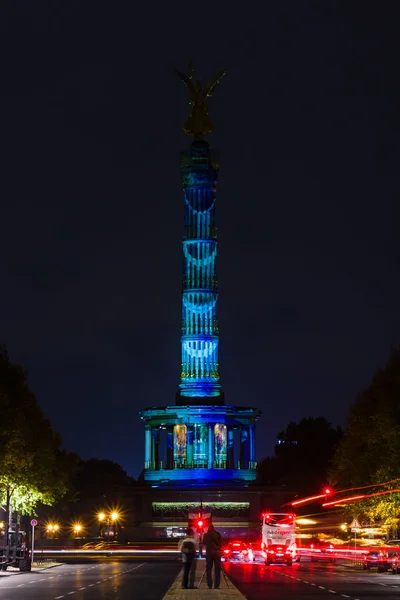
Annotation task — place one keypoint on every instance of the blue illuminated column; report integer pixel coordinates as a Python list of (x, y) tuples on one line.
[(200, 368), (252, 435), (211, 446), (147, 447)]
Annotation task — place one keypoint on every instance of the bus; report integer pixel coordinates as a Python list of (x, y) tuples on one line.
[(280, 528)]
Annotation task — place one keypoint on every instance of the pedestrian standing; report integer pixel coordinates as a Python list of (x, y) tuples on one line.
[(212, 540), (188, 546)]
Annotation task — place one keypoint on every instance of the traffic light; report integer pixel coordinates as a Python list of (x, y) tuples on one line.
[(199, 525), (328, 491)]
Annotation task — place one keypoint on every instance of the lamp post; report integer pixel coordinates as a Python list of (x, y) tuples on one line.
[(110, 519), (77, 529), (101, 518), (114, 520)]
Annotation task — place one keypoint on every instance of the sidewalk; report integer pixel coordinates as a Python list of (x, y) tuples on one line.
[(226, 590)]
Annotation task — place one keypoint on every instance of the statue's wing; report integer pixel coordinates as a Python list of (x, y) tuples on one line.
[(213, 82), (188, 82)]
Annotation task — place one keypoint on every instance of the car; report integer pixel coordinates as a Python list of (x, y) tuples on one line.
[(385, 560), (320, 549), (277, 554), (236, 551), (257, 551), (395, 563), (371, 559)]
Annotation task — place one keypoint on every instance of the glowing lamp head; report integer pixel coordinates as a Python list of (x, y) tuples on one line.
[(56, 527), (114, 516), (101, 516), (200, 523), (77, 528), (328, 491)]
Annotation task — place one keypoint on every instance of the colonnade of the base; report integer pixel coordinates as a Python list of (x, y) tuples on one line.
[(193, 443), (199, 446)]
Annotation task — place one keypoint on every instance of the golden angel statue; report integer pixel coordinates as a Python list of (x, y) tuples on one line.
[(199, 123)]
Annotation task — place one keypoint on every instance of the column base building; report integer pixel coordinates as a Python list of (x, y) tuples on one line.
[(199, 446)]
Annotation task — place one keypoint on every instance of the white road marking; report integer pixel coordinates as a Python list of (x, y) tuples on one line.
[(332, 591), (70, 593), (21, 585), (58, 597), (321, 587), (84, 588), (33, 581), (44, 579), (345, 596), (91, 585), (98, 581)]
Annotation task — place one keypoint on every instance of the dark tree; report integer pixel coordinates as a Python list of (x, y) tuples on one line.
[(370, 449), (30, 452), (303, 456)]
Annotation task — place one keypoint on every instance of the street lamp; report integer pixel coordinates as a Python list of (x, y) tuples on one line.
[(77, 529), (101, 518), (114, 519)]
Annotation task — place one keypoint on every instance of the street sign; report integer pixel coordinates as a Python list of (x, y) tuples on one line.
[(33, 522), (355, 524)]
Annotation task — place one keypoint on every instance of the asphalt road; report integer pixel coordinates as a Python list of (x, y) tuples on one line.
[(150, 580), (312, 581), (99, 581)]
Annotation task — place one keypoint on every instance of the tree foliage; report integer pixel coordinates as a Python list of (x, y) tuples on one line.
[(30, 452), (369, 452), (302, 456)]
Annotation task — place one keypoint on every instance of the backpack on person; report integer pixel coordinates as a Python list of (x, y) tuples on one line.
[(189, 550)]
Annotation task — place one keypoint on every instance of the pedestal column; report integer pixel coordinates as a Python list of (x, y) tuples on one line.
[(189, 448), (231, 449), (211, 446), (252, 443), (170, 446), (154, 447), (147, 447), (244, 447)]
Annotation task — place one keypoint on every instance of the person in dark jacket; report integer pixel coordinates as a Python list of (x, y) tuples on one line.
[(212, 541)]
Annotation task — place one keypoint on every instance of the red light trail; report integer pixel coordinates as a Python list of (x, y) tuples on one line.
[(353, 498), (310, 499)]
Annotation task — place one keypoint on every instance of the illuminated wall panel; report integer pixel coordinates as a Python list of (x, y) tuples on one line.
[(200, 446), (220, 445), (180, 445)]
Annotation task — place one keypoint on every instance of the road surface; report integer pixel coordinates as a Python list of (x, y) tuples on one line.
[(99, 581), (150, 580), (312, 581)]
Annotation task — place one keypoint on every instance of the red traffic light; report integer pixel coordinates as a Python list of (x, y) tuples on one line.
[(200, 523), (328, 491)]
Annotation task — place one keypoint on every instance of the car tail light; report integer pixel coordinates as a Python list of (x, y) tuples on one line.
[(245, 552), (263, 545), (271, 552), (311, 545), (226, 551)]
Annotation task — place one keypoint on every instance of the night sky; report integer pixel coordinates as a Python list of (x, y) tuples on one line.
[(308, 128)]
